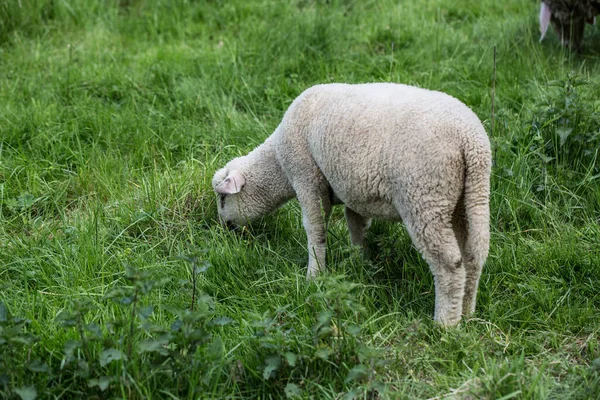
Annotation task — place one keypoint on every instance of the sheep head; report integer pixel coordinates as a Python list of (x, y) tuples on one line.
[(250, 187), (236, 203)]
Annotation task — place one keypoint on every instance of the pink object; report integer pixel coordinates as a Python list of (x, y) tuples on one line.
[(545, 14), (232, 184)]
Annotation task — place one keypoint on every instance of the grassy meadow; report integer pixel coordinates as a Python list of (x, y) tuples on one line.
[(116, 281)]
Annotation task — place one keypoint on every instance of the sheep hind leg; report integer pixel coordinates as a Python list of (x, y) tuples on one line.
[(438, 245), (472, 268), (357, 226)]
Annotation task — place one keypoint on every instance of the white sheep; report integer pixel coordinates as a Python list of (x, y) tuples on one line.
[(388, 151)]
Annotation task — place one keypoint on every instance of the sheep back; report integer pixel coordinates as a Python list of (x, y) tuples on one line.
[(376, 145)]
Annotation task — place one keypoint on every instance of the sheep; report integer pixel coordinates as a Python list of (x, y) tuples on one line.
[(387, 151), (568, 19)]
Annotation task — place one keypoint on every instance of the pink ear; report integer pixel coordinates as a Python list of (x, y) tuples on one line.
[(232, 184), (545, 14)]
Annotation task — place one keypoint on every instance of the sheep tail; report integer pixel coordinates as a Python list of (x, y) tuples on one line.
[(476, 195)]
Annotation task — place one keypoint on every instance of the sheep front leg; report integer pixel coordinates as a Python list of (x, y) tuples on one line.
[(315, 214), (357, 226)]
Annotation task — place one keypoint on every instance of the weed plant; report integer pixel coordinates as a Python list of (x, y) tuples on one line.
[(116, 280)]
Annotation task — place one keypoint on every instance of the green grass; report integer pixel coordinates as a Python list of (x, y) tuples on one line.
[(114, 116)]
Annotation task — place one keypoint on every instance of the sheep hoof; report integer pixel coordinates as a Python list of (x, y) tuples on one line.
[(312, 273), (448, 322)]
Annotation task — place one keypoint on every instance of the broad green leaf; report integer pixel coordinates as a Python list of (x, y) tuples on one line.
[(115, 293), (545, 159), (563, 134), (66, 319), (27, 392), (127, 300), (176, 325), (292, 390), (11, 203), (110, 355), (150, 346), (353, 394), (324, 317), (325, 331), (187, 258), (25, 201), (215, 350), (353, 330), (272, 364), (102, 383), (323, 353), (146, 312), (357, 374), (291, 358), (203, 267), (71, 346), (83, 369), (95, 330), (38, 366), (379, 386), (24, 339)]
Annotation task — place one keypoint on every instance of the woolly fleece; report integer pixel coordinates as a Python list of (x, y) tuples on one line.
[(387, 151)]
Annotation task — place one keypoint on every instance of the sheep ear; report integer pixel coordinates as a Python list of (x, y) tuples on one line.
[(232, 184), (545, 14)]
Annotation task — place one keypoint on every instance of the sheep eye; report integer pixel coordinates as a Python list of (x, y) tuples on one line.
[(222, 199)]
